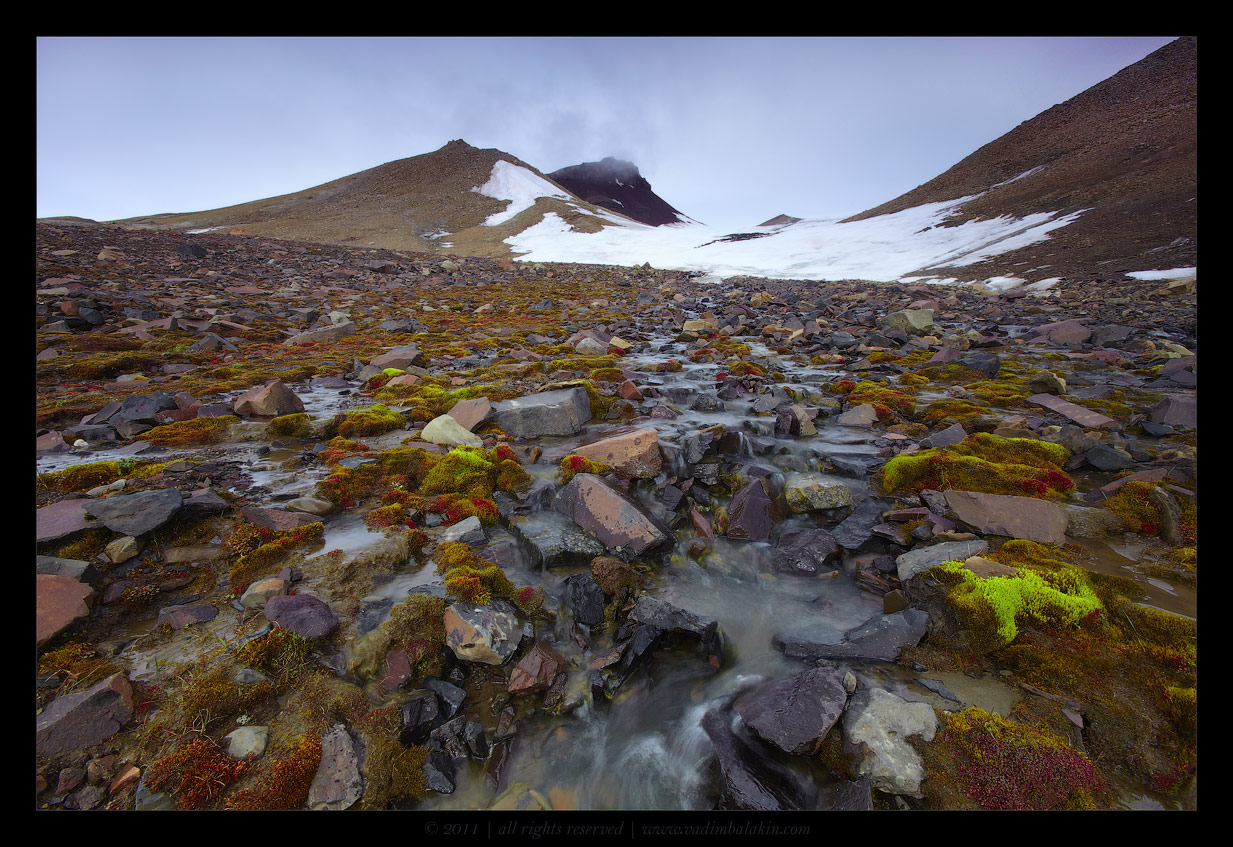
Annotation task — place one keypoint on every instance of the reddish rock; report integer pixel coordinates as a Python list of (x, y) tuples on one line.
[(270, 400), (619, 523), (752, 514), (1083, 417), (277, 520), (1015, 517), (60, 601), (629, 391), (536, 670), (129, 775), (61, 520), (471, 413), (84, 718), (632, 453)]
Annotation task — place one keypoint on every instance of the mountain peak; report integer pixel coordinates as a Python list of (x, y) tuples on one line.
[(617, 185)]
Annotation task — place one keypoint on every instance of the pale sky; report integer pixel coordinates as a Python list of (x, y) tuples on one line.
[(730, 131)]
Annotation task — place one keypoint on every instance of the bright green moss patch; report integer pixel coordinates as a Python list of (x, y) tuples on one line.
[(1000, 393), (463, 470), (940, 410), (881, 395), (994, 608), (985, 463), (191, 432), (983, 760)]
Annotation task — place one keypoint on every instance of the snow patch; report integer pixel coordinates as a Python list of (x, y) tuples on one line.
[(884, 249), (519, 186), (1176, 273)]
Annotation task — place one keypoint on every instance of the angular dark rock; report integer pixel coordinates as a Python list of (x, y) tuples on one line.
[(84, 718), (795, 712), (585, 598), (751, 781), (303, 614), (619, 523), (807, 551), (136, 514)]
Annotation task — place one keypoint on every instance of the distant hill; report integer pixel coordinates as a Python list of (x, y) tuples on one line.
[(423, 203), (1123, 152)]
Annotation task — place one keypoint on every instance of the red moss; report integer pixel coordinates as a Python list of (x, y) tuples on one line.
[(286, 785), (195, 774)]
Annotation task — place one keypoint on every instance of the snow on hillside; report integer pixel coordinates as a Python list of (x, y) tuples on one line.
[(518, 185), (885, 248)]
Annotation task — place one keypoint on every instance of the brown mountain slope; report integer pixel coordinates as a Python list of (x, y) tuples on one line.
[(423, 203), (1125, 150)]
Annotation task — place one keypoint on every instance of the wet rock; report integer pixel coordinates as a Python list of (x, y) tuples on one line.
[(986, 363), (749, 780), (815, 492), (338, 783), (619, 523), (1089, 522), (862, 415), (845, 796), (270, 400), (310, 506), (303, 614), (445, 429), (551, 539), (914, 561), (752, 514), (485, 634), (857, 528), (417, 717), (1015, 517), (520, 797), (400, 357), (879, 640), (632, 454), (585, 598), (1046, 382), (60, 601), (136, 514), (536, 670), (807, 551), (669, 618), (560, 412), (259, 593), (876, 726), (613, 575), (795, 713), (85, 718)]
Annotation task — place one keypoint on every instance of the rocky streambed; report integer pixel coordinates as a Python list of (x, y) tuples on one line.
[(333, 528)]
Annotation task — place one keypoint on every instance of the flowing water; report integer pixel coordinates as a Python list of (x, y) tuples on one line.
[(645, 749)]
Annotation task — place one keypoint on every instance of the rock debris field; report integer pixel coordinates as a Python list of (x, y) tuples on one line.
[(326, 528)]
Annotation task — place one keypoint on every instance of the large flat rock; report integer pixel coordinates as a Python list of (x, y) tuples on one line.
[(1015, 517), (136, 514), (62, 520), (1083, 417), (796, 712), (561, 412), (60, 601), (923, 558), (84, 718)]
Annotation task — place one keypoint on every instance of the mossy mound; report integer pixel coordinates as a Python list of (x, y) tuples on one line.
[(270, 555), (994, 608), (982, 462), (375, 420), (298, 425), (87, 476), (980, 760), (573, 465), (191, 432)]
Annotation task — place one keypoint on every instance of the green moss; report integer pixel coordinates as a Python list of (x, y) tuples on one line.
[(298, 425), (268, 557), (949, 372), (994, 608), (572, 465), (1000, 393), (985, 463), (375, 420), (466, 471), (87, 476), (190, 432), (881, 396), (281, 654)]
